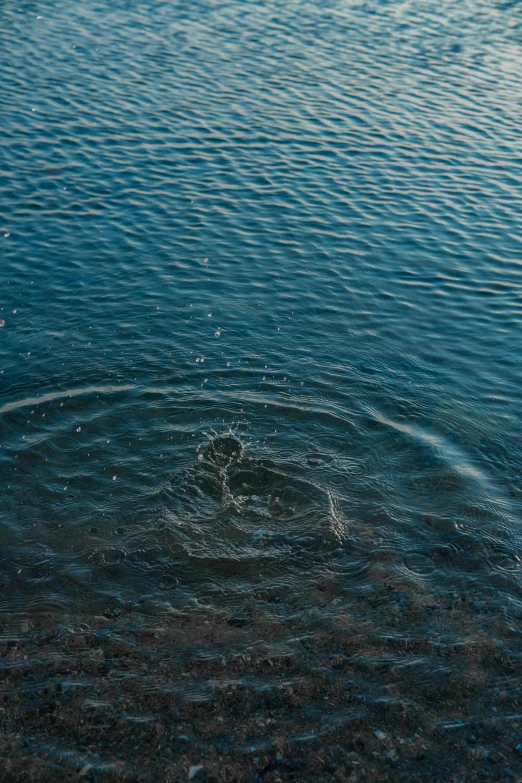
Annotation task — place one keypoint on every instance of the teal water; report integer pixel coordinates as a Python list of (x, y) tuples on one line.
[(294, 225)]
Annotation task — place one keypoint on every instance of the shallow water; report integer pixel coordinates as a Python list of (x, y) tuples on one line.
[(294, 225)]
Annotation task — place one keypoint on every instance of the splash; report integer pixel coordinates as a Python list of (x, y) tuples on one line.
[(223, 450)]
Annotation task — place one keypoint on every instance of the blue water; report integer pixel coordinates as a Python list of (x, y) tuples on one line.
[(291, 224)]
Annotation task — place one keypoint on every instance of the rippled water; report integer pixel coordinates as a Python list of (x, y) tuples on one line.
[(261, 306)]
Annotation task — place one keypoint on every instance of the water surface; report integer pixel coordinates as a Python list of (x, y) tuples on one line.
[(292, 225)]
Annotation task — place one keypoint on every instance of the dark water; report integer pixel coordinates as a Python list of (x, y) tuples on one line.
[(261, 302)]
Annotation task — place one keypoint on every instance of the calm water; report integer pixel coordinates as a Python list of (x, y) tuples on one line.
[(261, 302)]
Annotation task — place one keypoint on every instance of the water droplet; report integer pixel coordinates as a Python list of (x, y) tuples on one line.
[(7, 234), (210, 315), (205, 260), (197, 360), (217, 334), (114, 478), (228, 364)]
